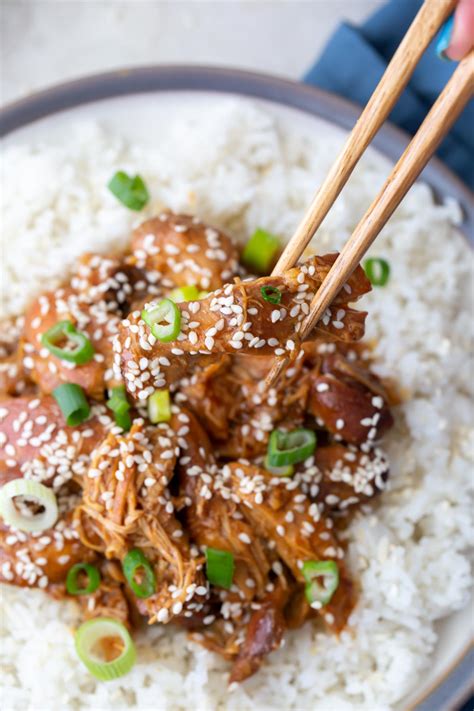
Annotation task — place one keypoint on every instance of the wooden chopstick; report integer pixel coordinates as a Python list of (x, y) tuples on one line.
[(436, 125), (420, 33)]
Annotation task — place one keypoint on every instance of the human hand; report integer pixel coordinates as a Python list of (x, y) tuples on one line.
[(457, 35)]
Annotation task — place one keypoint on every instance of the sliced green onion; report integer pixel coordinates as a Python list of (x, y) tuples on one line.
[(377, 270), (278, 471), (260, 251), (72, 401), (31, 491), (185, 293), (168, 312), (135, 562), (118, 400), (132, 192), (83, 350), (103, 630), (322, 580), (219, 567), (124, 421), (159, 406), (290, 447), (93, 579), (120, 406), (271, 294)]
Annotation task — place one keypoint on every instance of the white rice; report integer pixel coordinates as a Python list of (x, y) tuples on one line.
[(235, 167)]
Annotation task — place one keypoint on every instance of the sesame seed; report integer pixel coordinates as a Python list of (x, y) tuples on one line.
[(163, 615), (277, 568)]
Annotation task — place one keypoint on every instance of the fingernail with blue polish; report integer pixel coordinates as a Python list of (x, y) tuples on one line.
[(444, 38)]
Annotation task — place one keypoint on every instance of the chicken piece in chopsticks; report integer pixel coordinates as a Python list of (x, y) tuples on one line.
[(260, 317)]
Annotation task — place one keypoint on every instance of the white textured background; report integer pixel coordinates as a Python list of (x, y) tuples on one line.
[(47, 41)]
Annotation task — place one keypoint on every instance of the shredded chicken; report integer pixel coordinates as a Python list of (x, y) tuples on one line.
[(216, 521), (284, 514), (126, 505)]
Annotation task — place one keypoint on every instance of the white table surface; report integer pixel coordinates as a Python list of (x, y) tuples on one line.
[(44, 42)]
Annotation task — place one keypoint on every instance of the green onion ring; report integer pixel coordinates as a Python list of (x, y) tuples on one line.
[(87, 637), (271, 294), (287, 470), (290, 447), (66, 330), (320, 592), (135, 561), (42, 495), (73, 573), (168, 312)]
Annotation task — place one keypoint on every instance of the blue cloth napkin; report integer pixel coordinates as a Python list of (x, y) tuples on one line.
[(355, 58)]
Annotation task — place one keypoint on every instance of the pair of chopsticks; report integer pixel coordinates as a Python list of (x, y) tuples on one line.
[(436, 125)]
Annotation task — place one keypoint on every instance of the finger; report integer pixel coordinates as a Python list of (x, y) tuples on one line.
[(462, 39)]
